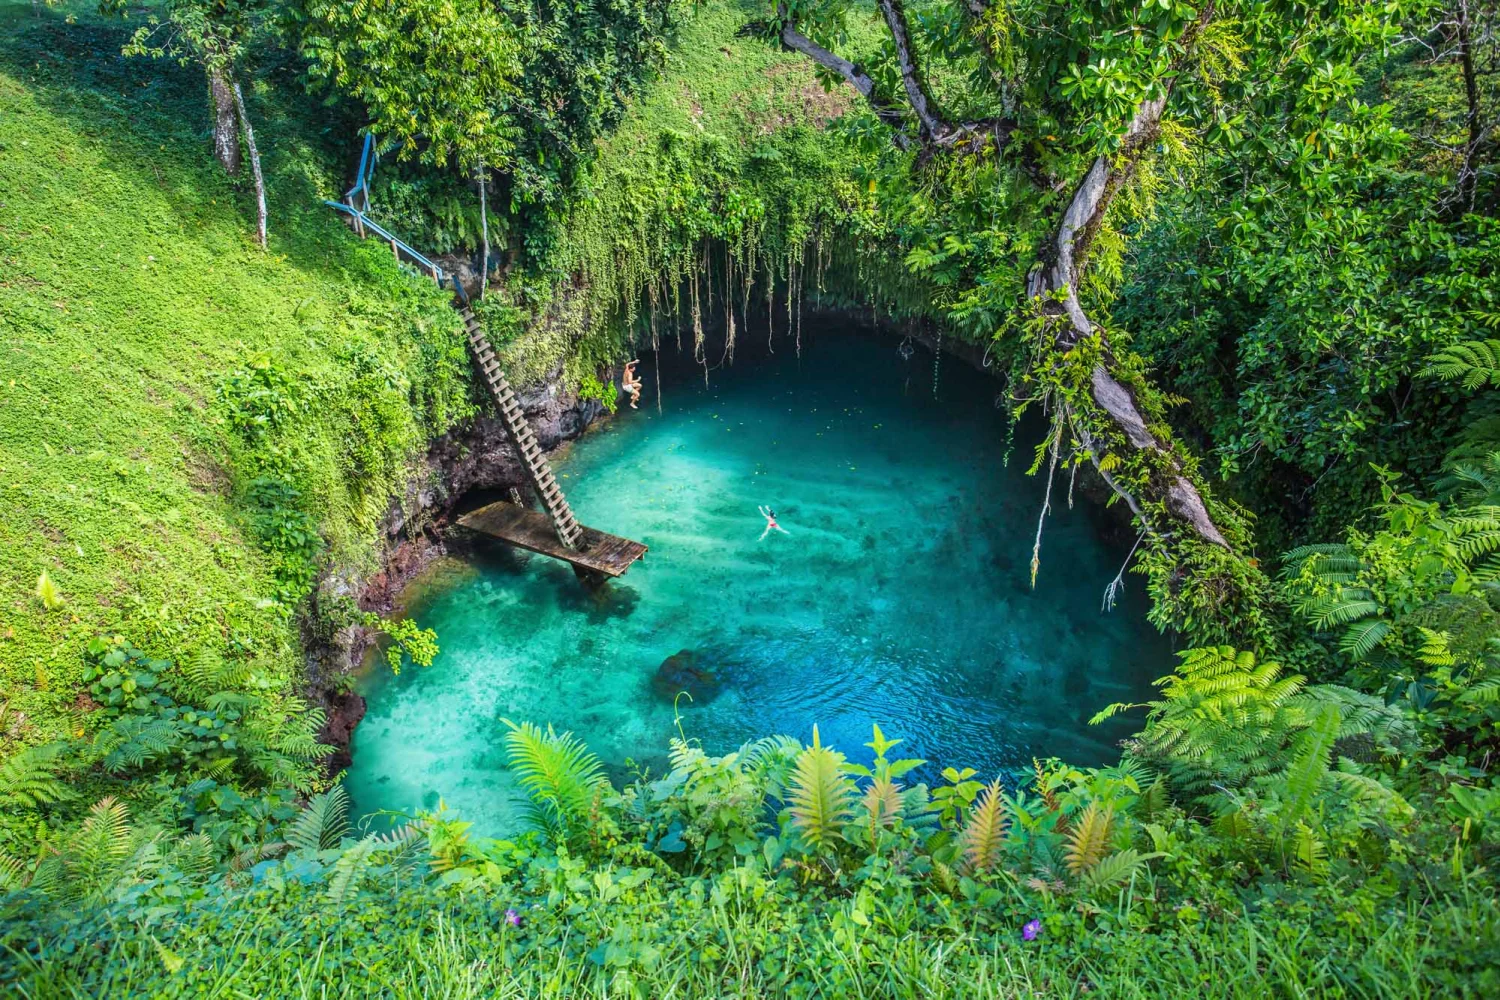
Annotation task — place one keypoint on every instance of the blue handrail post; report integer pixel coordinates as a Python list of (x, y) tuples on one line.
[(362, 179)]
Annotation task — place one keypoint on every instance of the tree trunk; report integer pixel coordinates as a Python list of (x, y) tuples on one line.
[(260, 182), (1059, 277), (1468, 177), (226, 132), (484, 237)]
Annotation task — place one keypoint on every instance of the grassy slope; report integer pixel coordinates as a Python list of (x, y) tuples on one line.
[(128, 286)]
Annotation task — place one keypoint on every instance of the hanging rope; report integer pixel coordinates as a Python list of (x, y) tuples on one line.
[(906, 350), (937, 357), (1117, 585), (1036, 547)]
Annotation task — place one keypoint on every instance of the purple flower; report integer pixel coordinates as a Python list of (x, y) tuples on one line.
[(514, 919), (1031, 930)]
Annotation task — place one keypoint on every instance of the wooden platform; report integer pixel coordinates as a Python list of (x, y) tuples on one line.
[(531, 529)]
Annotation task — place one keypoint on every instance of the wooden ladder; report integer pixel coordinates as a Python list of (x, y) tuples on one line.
[(538, 470)]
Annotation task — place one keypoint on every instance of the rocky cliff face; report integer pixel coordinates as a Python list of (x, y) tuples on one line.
[(475, 457)]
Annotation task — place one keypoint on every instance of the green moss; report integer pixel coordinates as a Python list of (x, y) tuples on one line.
[(134, 302)]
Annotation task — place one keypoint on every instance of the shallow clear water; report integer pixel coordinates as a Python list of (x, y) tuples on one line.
[(899, 594)]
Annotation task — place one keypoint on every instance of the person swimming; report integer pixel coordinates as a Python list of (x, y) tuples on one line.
[(771, 525), (631, 384)]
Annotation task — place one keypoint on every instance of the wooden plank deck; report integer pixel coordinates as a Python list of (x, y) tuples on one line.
[(531, 529)]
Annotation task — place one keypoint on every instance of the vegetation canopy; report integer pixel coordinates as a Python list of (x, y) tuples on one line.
[(1240, 258)]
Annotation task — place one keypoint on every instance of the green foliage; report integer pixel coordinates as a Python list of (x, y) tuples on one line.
[(1226, 719), (407, 639), (821, 796), (1473, 364), (321, 825), (28, 778), (1408, 607), (1262, 833), (984, 833), (209, 365), (564, 779), (47, 591), (589, 387), (1314, 267), (435, 77)]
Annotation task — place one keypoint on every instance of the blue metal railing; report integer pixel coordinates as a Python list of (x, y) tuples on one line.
[(400, 247), (367, 157), (352, 207)]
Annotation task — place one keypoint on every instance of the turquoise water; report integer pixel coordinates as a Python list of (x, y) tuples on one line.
[(898, 595)]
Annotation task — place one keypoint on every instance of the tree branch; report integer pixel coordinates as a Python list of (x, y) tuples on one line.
[(911, 73), (856, 77), (1054, 282), (933, 131)]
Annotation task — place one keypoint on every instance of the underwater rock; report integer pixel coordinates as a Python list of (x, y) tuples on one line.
[(684, 671)]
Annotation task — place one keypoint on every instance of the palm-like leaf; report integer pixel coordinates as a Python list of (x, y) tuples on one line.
[(322, 824), (1473, 363), (821, 794), (1310, 759), (1361, 638), (882, 802), (28, 779), (1115, 868), (350, 865), (1088, 841), (98, 849), (983, 836)]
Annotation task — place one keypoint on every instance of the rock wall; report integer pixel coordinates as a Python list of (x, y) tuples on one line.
[(476, 456)]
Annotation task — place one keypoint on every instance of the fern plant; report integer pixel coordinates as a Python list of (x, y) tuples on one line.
[(821, 795), (1226, 718), (560, 774), (322, 823), (1089, 840), (1471, 363), (983, 839), (28, 778)]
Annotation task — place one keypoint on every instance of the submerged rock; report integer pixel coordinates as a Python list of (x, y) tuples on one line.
[(684, 671)]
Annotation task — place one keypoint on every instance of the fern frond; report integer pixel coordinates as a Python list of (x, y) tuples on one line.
[(194, 856), (1116, 868), (349, 867), (321, 825), (983, 836), (559, 772), (1347, 605), (28, 778), (1310, 760), (96, 851), (821, 794), (1473, 363), (1155, 800), (1484, 693), (1089, 838), (882, 802), (1363, 636), (1309, 851), (15, 874), (1367, 789)]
